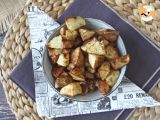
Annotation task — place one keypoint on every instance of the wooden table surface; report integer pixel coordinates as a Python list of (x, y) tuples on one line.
[(5, 112)]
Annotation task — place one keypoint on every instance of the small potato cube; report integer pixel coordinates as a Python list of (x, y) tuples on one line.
[(71, 89), (108, 34), (86, 34), (104, 70), (103, 87), (95, 60), (74, 23), (77, 74), (63, 60), (63, 80), (112, 78), (77, 57), (56, 42), (94, 47), (57, 70), (111, 52), (120, 62)]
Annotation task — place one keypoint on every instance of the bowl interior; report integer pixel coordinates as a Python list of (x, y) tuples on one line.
[(92, 24)]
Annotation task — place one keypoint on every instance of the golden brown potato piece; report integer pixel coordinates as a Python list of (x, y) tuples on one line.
[(54, 54), (103, 87), (112, 78), (77, 57), (85, 88), (94, 47), (56, 42), (67, 44), (71, 35), (70, 66), (95, 60), (111, 52), (57, 70), (91, 85), (89, 75), (86, 34), (108, 34), (63, 60), (63, 80), (71, 89), (74, 23), (120, 62), (77, 74), (104, 70)]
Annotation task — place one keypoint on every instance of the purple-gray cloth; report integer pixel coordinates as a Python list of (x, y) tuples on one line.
[(143, 69)]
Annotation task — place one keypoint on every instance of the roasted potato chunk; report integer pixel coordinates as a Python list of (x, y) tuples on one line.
[(91, 85), (108, 34), (54, 54), (111, 52), (71, 89), (120, 62), (104, 70), (86, 34), (63, 80), (94, 47), (71, 35), (85, 88), (95, 60), (57, 70), (67, 44), (56, 42), (112, 78), (103, 87), (74, 23), (77, 57), (89, 75), (63, 60), (77, 74)]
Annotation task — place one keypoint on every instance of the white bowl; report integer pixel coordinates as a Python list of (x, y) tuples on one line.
[(47, 67)]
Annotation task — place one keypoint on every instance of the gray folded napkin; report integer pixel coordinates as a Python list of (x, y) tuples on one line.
[(143, 70)]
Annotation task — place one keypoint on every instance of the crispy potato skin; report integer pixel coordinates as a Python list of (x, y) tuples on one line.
[(77, 74), (103, 87), (77, 57), (57, 70), (63, 80), (120, 62), (104, 70)]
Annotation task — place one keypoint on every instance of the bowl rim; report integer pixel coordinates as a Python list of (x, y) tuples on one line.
[(47, 78)]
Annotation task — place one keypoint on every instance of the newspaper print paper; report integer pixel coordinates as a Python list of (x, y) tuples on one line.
[(50, 103)]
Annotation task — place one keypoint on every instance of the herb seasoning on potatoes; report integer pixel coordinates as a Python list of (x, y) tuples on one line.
[(84, 59)]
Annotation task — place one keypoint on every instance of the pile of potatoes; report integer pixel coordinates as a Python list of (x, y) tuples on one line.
[(84, 59)]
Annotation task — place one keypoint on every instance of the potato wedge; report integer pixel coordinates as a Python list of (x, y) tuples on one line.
[(71, 89), (103, 87), (120, 62), (57, 70), (77, 74), (63, 60), (56, 42), (74, 23), (77, 57), (54, 54), (111, 52), (112, 78), (94, 47), (104, 70), (63, 80), (67, 44), (95, 60), (108, 34), (86, 34)]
